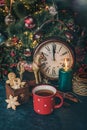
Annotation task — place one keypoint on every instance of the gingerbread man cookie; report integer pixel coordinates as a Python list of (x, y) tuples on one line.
[(11, 77)]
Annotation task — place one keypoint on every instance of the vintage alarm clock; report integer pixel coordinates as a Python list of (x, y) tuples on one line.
[(55, 52)]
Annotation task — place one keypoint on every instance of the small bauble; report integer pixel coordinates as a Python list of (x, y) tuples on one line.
[(12, 53), (68, 35), (37, 36), (29, 22), (28, 67), (27, 52), (34, 44), (9, 19), (2, 2), (14, 40), (52, 10), (19, 44), (70, 25), (2, 39), (8, 43)]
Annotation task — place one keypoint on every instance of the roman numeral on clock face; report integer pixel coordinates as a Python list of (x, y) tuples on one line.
[(43, 65), (47, 70), (59, 49), (53, 71), (45, 54), (47, 47), (64, 53)]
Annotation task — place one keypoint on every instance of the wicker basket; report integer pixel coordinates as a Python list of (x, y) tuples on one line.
[(80, 84)]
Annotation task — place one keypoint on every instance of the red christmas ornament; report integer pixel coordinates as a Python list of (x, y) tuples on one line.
[(5, 72), (28, 67), (14, 40), (29, 22), (68, 35), (13, 65), (2, 2), (27, 52), (12, 53), (70, 25)]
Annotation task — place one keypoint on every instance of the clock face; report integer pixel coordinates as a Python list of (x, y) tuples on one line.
[(55, 53)]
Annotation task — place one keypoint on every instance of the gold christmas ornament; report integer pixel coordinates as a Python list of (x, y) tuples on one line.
[(34, 44), (6, 9), (8, 43), (19, 44), (31, 36), (26, 33), (14, 41)]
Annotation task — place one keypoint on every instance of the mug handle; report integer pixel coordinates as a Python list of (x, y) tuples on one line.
[(61, 101)]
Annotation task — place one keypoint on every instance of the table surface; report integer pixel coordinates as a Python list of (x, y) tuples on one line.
[(73, 117)]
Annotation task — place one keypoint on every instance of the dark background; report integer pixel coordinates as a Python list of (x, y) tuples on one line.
[(78, 6)]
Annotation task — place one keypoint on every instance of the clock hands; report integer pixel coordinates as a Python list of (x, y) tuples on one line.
[(54, 51)]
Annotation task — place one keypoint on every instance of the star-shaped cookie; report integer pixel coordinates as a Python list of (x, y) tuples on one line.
[(12, 102)]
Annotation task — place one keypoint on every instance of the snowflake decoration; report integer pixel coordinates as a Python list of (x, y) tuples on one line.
[(12, 102)]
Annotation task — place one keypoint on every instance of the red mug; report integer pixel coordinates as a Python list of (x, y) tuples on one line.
[(44, 99)]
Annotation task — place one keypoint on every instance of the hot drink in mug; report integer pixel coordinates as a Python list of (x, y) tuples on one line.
[(44, 99)]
